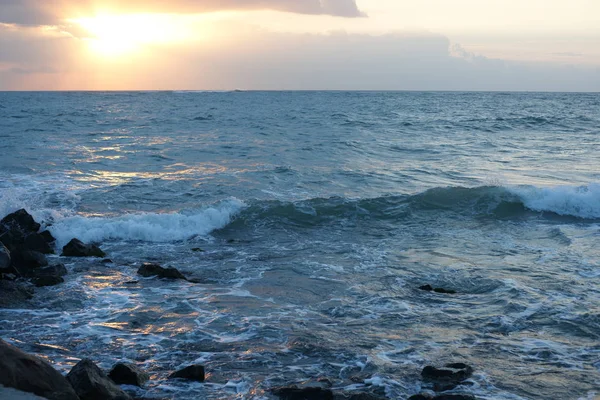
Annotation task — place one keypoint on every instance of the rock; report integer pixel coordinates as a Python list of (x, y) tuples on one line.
[(13, 294), (26, 261), (128, 374), (197, 249), (309, 393), (442, 290), (47, 280), (91, 383), (47, 236), (76, 248), (365, 396), (107, 261), (421, 396), (430, 288), (22, 221), (53, 270), (454, 397), (31, 374), (14, 394), (149, 269), (192, 373), (37, 242), (5, 259), (448, 377)]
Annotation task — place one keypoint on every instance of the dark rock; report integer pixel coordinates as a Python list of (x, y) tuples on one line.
[(47, 280), (13, 294), (421, 396), (197, 249), (47, 236), (31, 374), (448, 377), (107, 261), (5, 259), (149, 269), (430, 288), (454, 397), (128, 374), (76, 248), (36, 242), (365, 396), (192, 373), (53, 270), (132, 282), (442, 290), (26, 261), (91, 383), (309, 393), (22, 221)]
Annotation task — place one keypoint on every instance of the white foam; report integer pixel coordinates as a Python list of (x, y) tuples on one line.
[(149, 227), (578, 201)]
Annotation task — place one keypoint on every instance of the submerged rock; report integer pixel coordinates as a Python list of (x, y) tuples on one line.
[(430, 288), (149, 269), (427, 396), (31, 374), (448, 377), (128, 374), (91, 383), (192, 373), (76, 248), (296, 393)]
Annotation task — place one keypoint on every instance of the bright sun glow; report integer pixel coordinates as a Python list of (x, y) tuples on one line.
[(122, 35)]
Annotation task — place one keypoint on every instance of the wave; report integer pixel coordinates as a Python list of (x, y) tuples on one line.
[(581, 202), (148, 227)]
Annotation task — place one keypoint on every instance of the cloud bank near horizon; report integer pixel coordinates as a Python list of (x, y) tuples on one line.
[(266, 60), (43, 12)]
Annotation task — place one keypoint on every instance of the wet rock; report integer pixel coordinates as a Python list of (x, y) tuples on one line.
[(192, 373), (76, 248), (107, 261), (442, 290), (47, 280), (128, 374), (20, 221), (448, 377), (198, 249), (14, 394), (37, 242), (47, 236), (430, 288), (296, 393), (53, 270), (91, 383), (364, 396), (26, 261), (13, 294), (427, 396), (149, 269), (5, 259), (31, 374)]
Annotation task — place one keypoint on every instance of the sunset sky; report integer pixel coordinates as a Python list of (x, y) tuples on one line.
[(300, 44)]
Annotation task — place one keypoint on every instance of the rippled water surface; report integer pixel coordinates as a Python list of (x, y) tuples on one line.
[(310, 220)]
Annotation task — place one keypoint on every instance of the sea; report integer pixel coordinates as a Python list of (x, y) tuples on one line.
[(307, 222)]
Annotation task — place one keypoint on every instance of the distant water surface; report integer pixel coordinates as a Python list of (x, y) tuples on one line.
[(311, 219)]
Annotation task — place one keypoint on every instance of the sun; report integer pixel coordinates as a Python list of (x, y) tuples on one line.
[(117, 36)]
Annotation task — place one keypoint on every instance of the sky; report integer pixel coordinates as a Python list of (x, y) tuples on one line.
[(506, 45)]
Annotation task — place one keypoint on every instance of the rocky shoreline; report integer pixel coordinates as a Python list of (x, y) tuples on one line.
[(24, 266)]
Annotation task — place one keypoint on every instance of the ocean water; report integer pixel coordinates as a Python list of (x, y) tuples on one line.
[(318, 216)]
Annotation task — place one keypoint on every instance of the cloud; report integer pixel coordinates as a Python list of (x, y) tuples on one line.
[(258, 59), (44, 12)]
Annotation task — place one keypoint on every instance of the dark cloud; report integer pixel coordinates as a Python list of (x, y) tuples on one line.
[(52, 12)]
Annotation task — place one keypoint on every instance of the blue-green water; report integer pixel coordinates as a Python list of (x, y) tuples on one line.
[(320, 214)]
